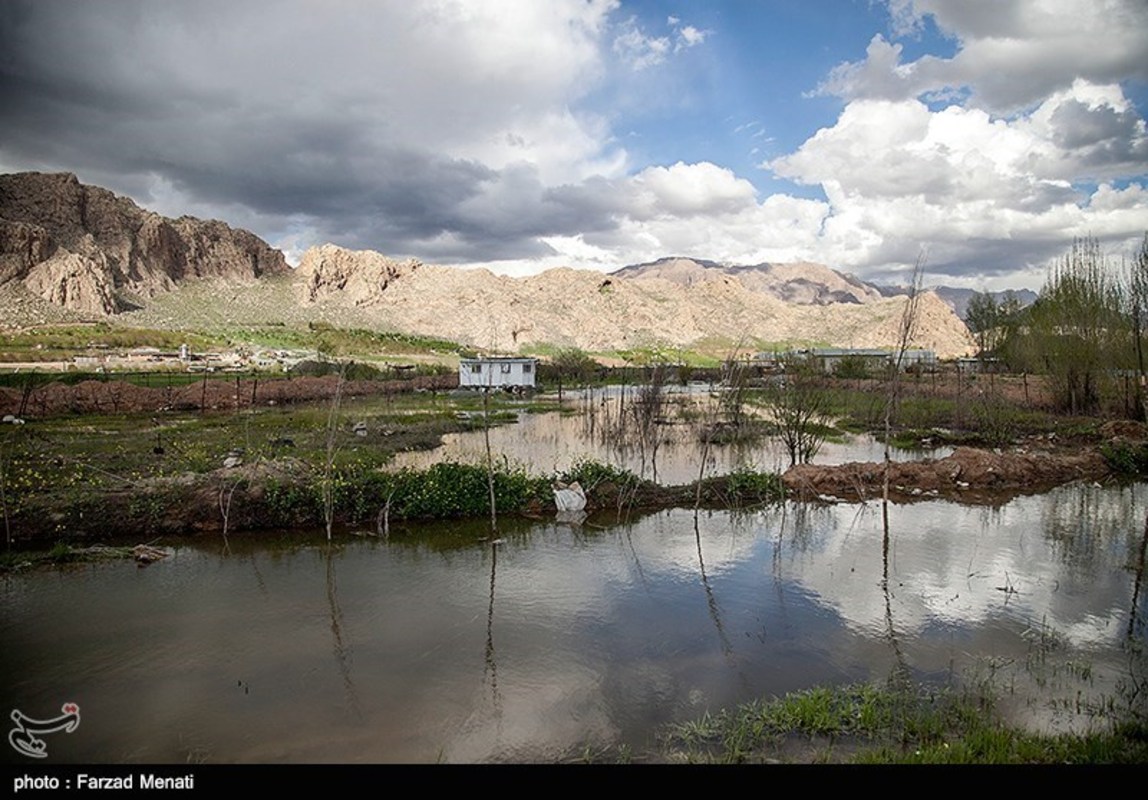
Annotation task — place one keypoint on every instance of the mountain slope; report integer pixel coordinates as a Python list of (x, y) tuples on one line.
[(86, 249), (804, 283), (585, 309)]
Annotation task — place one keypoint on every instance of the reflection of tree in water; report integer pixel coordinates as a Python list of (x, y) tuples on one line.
[(342, 648), (899, 677), (490, 670), (1080, 519), (808, 524), (629, 530), (1135, 620), (711, 601)]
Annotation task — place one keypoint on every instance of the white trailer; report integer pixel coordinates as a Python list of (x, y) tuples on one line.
[(497, 373)]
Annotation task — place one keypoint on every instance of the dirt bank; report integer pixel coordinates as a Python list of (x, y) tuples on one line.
[(969, 474)]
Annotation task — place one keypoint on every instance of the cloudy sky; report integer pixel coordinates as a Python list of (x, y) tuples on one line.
[(520, 134)]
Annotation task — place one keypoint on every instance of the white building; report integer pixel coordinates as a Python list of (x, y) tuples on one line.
[(497, 372)]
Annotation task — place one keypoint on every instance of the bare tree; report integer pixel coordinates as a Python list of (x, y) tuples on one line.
[(489, 455), (648, 409), (328, 484), (905, 332), (798, 404)]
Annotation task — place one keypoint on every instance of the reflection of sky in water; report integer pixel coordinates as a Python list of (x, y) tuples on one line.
[(551, 442), (392, 651)]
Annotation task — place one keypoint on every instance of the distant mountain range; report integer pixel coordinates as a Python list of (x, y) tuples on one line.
[(958, 299), (804, 283), (70, 251)]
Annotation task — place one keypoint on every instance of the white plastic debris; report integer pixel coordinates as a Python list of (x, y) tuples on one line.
[(569, 496)]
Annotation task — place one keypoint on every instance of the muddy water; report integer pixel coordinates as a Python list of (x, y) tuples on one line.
[(439, 646), (551, 442)]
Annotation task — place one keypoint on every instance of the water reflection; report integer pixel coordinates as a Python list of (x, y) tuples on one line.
[(551, 442), (449, 647)]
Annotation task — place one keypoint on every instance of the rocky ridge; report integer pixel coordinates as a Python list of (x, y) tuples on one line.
[(803, 283), (599, 312), (86, 249)]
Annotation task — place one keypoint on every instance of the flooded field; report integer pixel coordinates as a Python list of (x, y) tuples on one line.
[(551, 442), (440, 646)]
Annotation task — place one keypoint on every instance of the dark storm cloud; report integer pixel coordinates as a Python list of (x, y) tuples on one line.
[(313, 133)]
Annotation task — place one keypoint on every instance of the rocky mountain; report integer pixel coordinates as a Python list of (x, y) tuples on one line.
[(958, 298), (678, 307), (347, 276), (86, 249), (803, 283), (72, 249)]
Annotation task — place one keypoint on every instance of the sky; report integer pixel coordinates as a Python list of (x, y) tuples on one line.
[(980, 136)]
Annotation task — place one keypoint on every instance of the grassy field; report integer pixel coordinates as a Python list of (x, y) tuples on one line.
[(895, 725)]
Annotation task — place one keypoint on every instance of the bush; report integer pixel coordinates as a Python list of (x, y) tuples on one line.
[(851, 367), (573, 365), (748, 486), (590, 473), (1126, 458)]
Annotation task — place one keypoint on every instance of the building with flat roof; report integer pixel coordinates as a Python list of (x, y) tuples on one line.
[(497, 372)]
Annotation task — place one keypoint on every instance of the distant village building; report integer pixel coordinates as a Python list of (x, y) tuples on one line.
[(497, 372), (874, 359)]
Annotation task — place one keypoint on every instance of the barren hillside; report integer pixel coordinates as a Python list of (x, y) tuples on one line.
[(84, 249), (594, 311)]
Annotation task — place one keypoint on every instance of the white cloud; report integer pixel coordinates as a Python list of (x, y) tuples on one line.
[(640, 50), (689, 36), (472, 132), (898, 175), (693, 209), (1011, 53)]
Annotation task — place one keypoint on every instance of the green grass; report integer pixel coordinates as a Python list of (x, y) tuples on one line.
[(870, 724), (61, 342), (117, 451), (751, 487), (52, 340)]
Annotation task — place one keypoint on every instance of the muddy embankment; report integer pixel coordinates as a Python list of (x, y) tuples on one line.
[(273, 495), (972, 474)]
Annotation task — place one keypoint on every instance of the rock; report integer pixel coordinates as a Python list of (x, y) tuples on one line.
[(357, 277)]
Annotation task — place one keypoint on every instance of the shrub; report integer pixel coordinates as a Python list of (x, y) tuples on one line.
[(747, 486), (1126, 458)]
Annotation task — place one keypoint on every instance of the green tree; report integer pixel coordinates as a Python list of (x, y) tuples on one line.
[(983, 319), (574, 365), (1076, 326)]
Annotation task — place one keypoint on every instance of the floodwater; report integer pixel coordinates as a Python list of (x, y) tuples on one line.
[(550, 442), (439, 646)]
